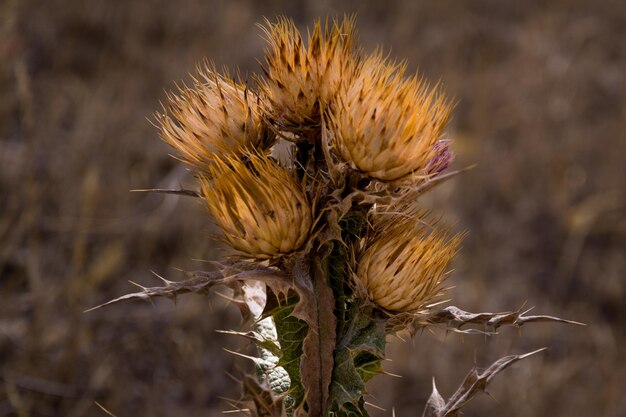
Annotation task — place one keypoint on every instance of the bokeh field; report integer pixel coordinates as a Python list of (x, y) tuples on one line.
[(541, 111)]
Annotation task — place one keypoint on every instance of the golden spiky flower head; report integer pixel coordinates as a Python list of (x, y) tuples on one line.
[(386, 125), (302, 79), (403, 264), (217, 115), (261, 209)]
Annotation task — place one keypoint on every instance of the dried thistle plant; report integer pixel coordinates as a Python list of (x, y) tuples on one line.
[(331, 251)]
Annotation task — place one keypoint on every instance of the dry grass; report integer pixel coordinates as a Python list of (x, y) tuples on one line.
[(541, 111)]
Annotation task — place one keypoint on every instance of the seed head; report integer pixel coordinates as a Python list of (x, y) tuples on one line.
[(386, 125), (301, 80), (259, 206), (404, 263), (216, 116)]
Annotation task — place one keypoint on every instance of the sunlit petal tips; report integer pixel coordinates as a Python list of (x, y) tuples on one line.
[(261, 209), (386, 125), (302, 79), (216, 116), (403, 264)]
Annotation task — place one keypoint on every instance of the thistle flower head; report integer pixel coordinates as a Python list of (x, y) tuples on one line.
[(386, 125), (403, 264), (216, 116), (302, 79), (261, 209)]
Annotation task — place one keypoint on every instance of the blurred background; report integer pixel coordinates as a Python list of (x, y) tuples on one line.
[(541, 111)]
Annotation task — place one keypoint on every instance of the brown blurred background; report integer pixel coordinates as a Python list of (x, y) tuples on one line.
[(541, 110)]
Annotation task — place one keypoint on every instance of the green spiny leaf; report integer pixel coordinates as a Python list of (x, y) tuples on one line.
[(337, 276), (358, 358), (291, 332), (347, 387), (360, 335), (338, 261)]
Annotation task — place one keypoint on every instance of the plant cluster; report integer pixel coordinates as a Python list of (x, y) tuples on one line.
[(313, 176)]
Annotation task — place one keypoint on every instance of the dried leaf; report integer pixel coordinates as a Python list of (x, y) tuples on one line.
[(316, 307), (254, 297), (453, 318), (201, 282), (279, 283), (399, 194), (474, 383)]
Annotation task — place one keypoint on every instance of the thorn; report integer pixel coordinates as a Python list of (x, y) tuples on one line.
[(252, 358), (375, 406), (183, 192), (104, 409), (390, 374), (138, 285), (230, 332), (442, 301), (203, 261), (233, 377), (532, 353), (228, 298), (165, 281), (233, 403), (94, 308), (491, 396)]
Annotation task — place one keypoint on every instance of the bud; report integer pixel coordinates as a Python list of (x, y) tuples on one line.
[(444, 156), (403, 264), (217, 116), (259, 206), (385, 125), (301, 80)]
